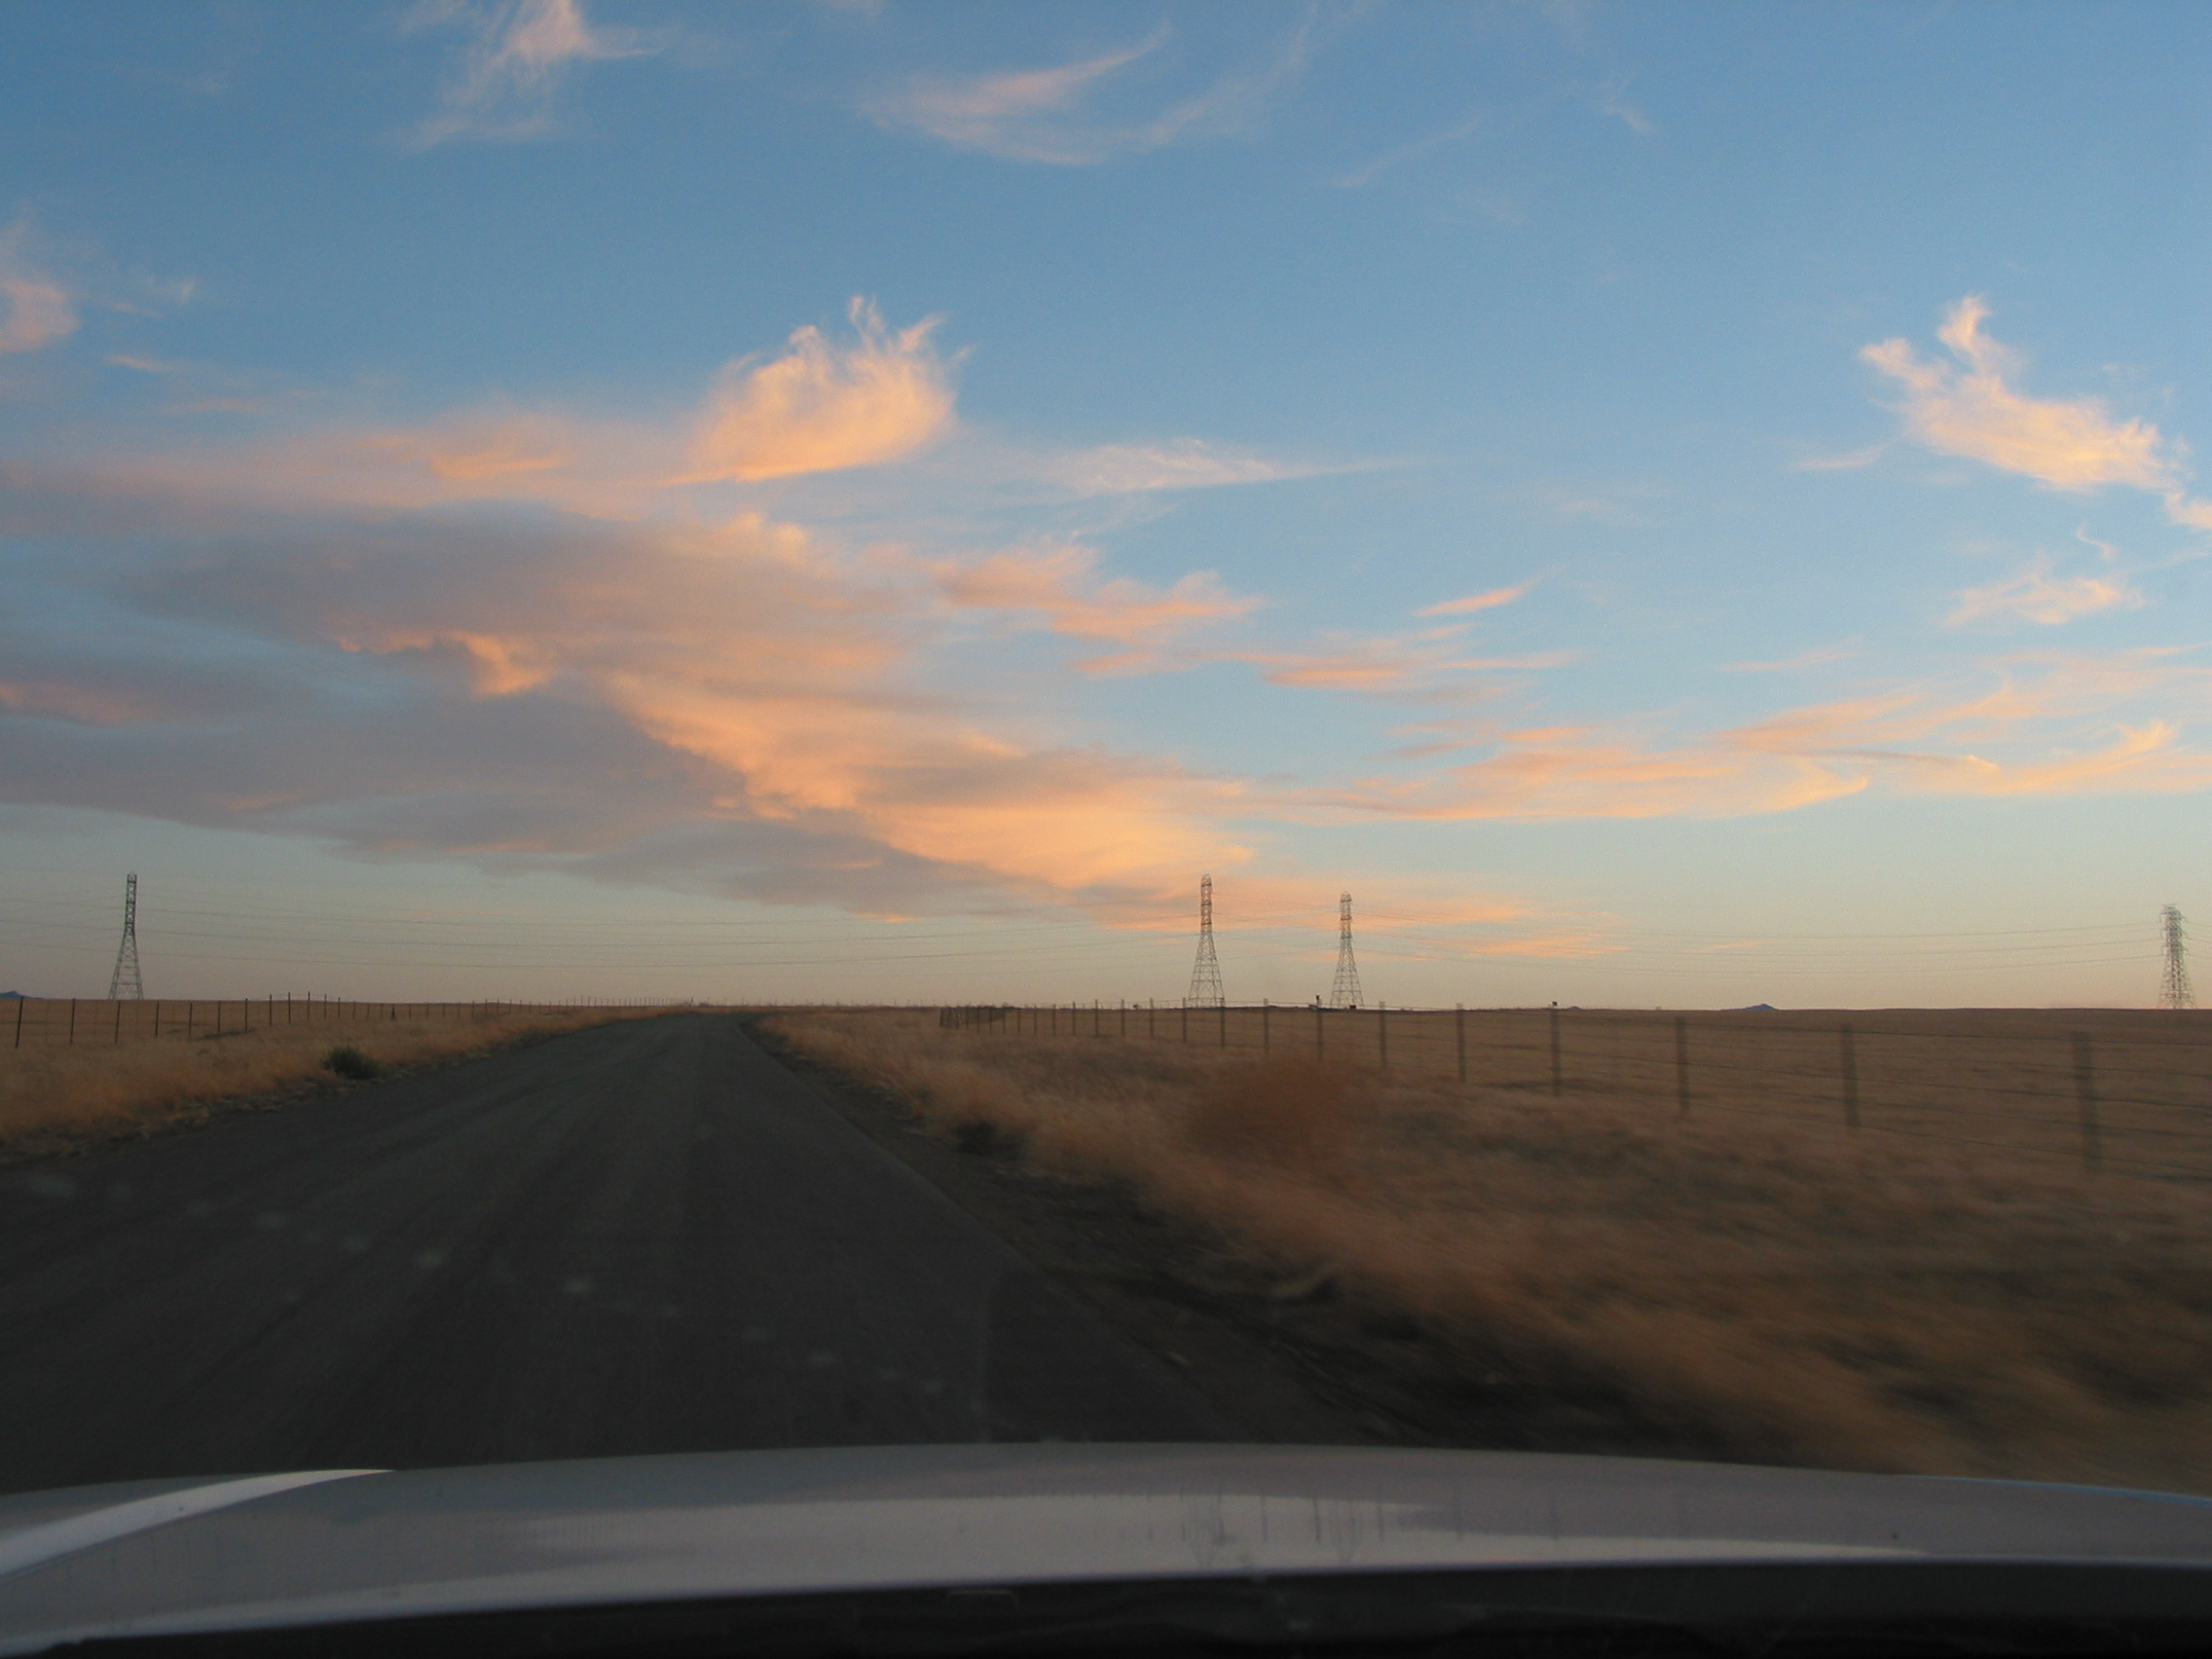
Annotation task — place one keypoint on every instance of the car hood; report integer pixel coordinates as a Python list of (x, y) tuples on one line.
[(333, 1546)]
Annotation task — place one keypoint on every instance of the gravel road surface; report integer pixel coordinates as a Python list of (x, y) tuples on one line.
[(643, 1237)]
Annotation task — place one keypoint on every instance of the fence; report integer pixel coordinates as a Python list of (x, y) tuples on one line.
[(30, 1021), (2129, 1090)]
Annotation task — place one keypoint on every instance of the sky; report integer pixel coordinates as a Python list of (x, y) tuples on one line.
[(1685, 506)]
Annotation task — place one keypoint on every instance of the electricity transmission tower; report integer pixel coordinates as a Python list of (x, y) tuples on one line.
[(2173, 989), (1345, 993), (122, 984), (1205, 971)]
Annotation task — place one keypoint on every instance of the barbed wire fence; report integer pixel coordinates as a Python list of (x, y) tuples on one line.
[(2122, 1089), (35, 1022)]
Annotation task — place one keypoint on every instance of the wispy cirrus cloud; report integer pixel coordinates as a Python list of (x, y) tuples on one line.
[(1475, 601), (522, 51), (2039, 724), (1050, 115), (2035, 595), (35, 309), (1058, 583), (1429, 665)]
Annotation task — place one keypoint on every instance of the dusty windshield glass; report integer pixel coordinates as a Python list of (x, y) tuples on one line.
[(819, 726)]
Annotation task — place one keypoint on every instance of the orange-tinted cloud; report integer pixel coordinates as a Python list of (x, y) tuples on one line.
[(2048, 724), (2035, 595), (35, 310), (1429, 662), (1969, 408), (1475, 601), (1039, 115), (1056, 583), (503, 84), (822, 407)]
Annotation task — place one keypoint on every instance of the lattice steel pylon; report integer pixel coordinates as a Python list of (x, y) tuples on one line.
[(1205, 971), (2173, 987), (1345, 993), (122, 984)]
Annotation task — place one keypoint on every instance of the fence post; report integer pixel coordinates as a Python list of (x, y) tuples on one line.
[(1683, 1065), (1459, 1032), (1151, 1017), (118, 1038), (1185, 1019), (1848, 1041), (1320, 1047), (1221, 1015), (20, 1001), (1559, 1081), (1125, 1021), (2086, 1099), (1383, 1035), (1265, 1036), (72, 1021)]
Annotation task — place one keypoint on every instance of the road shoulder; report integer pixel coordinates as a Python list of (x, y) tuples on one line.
[(1287, 1364)]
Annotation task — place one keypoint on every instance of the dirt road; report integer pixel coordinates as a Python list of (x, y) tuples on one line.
[(643, 1237)]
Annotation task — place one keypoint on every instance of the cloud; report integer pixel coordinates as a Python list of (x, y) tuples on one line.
[(1966, 407), (1041, 114), (35, 310), (1426, 666), (1185, 464), (825, 409), (1479, 601), (2035, 595), (822, 407), (734, 705), (1611, 99), (1359, 177), (1057, 585), (503, 87), (2044, 724), (2184, 510)]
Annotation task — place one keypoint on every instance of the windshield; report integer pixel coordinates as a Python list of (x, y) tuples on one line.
[(847, 724)]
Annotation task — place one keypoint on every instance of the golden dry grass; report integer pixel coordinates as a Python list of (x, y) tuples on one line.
[(52, 1096), (1782, 1289)]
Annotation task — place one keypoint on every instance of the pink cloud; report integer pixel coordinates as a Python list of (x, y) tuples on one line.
[(1057, 585), (1475, 601), (822, 407), (2049, 724), (504, 85), (37, 310), (1968, 407)]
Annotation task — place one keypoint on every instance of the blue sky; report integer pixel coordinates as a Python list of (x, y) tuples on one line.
[(1667, 505)]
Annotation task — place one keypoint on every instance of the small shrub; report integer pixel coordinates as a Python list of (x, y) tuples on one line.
[(348, 1061)]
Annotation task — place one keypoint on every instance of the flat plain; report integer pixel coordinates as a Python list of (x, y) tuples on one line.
[(2001, 1270)]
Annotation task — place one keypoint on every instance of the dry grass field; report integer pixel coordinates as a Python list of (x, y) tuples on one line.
[(119, 1077), (1946, 1289)]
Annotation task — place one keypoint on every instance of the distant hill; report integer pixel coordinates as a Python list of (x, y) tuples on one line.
[(17, 996)]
